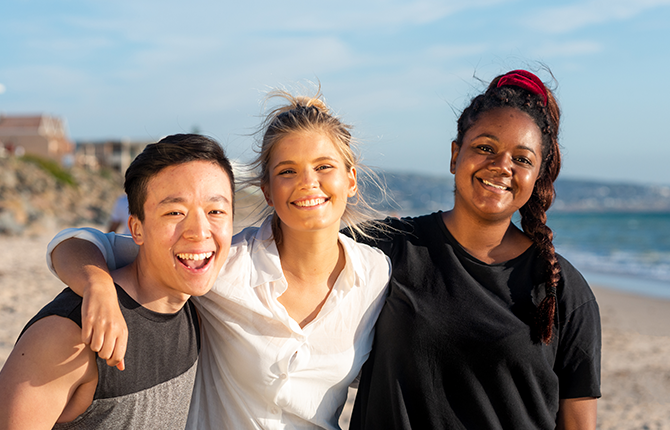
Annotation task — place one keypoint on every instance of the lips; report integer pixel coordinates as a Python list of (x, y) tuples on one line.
[(500, 187), (308, 203), (195, 261)]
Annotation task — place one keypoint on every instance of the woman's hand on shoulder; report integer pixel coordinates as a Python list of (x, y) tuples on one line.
[(81, 265), (103, 326)]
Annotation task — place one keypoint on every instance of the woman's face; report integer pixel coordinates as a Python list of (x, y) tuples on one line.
[(308, 183), (497, 164)]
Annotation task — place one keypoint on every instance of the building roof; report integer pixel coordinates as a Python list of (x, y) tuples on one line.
[(23, 121)]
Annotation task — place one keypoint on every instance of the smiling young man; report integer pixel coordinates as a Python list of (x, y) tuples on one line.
[(181, 204)]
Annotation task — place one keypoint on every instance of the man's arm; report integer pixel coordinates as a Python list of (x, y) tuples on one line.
[(81, 266), (577, 414), (49, 377)]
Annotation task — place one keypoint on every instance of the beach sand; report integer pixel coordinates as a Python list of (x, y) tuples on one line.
[(636, 336)]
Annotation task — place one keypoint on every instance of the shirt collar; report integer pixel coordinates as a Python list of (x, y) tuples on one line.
[(266, 265)]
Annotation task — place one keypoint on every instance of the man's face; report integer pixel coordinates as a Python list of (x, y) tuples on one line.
[(188, 223)]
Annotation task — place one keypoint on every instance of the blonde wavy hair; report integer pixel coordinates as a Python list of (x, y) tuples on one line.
[(310, 114)]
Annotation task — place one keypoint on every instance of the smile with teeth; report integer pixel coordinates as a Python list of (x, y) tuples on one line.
[(310, 202), (491, 184), (195, 261), (195, 257)]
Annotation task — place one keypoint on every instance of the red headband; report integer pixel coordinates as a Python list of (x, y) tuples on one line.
[(526, 80)]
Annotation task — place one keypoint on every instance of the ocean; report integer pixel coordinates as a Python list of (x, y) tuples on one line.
[(617, 235), (625, 251)]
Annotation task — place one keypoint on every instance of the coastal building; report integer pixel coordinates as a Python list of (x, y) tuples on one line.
[(116, 154), (41, 135)]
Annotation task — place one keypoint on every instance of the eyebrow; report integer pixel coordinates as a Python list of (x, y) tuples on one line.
[(316, 160), (216, 198)]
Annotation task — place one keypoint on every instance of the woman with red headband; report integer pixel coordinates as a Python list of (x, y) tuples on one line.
[(485, 326)]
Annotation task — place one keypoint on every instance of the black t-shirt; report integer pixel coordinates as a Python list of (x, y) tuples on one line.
[(454, 347)]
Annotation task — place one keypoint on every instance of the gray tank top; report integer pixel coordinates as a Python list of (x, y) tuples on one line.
[(154, 392)]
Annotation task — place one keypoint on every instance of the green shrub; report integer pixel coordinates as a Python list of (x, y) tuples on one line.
[(51, 167)]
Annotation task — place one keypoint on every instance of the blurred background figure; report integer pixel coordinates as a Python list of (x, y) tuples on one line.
[(118, 219)]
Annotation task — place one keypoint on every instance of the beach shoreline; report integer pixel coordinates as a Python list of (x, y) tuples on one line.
[(636, 335)]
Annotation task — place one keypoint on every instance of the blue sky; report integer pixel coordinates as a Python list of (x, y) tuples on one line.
[(399, 71)]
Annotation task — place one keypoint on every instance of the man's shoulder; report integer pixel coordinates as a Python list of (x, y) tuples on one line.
[(48, 362), (53, 332)]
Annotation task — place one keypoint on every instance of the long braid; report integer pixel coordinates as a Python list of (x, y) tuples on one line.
[(546, 114), (534, 219), (533, 222)]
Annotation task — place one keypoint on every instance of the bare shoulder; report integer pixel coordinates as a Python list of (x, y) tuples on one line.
[(45, 371)]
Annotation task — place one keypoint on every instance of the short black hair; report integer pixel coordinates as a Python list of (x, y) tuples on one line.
[(170, 151)]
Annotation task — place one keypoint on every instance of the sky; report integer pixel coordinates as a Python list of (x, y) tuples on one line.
[(400, 72)]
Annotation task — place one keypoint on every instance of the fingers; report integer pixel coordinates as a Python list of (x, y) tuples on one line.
[(121, 366), (113, 350), (103, 326), (110, 342), (108, 338)]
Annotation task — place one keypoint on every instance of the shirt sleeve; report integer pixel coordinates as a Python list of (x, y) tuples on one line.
[(579, 351), (117, 250)]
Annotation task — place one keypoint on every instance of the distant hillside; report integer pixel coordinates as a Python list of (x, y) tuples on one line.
[(416, 194), (36, 196)]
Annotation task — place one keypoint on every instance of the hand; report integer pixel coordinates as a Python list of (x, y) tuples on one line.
[(83, 268), (103, 327)]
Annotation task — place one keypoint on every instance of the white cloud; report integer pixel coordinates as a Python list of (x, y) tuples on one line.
[(2, 89), (567, 49), (568, 18)]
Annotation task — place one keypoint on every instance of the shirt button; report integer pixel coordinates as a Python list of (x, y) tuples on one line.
[(282, 376)]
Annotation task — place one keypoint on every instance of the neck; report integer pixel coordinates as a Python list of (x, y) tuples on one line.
[(311, 262), (490, 241), (309, 254), (145, 290)]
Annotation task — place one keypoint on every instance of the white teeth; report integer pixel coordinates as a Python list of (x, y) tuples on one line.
[(195, 257), (500, 187), (310, 202)]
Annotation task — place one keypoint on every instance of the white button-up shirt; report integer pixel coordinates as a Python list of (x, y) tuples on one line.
[(258, 368)]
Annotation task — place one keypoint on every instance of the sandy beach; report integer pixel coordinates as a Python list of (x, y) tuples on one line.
[(636, 336)]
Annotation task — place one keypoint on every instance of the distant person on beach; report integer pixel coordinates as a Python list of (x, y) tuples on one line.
[(118, 219), (485, 326), (290, 320), (181, 203)]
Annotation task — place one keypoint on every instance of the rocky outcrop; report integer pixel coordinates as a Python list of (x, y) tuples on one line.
[(33, 201)]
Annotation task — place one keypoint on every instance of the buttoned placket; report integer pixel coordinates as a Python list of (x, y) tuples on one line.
[(295, 354)]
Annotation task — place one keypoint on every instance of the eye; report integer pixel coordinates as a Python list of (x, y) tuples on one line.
[(524, 160), (324, 167), (485, 148), (286, 172), (174, 213)]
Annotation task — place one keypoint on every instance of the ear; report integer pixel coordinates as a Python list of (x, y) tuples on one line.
[(136, 229), (267, 194), (455, 149), (353, 182)]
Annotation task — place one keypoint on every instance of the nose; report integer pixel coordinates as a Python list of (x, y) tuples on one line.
[(501, 163), (309, 178), (196, 226)]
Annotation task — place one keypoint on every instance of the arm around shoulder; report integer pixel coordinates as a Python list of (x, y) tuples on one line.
[(49, 377), (81, 264)]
